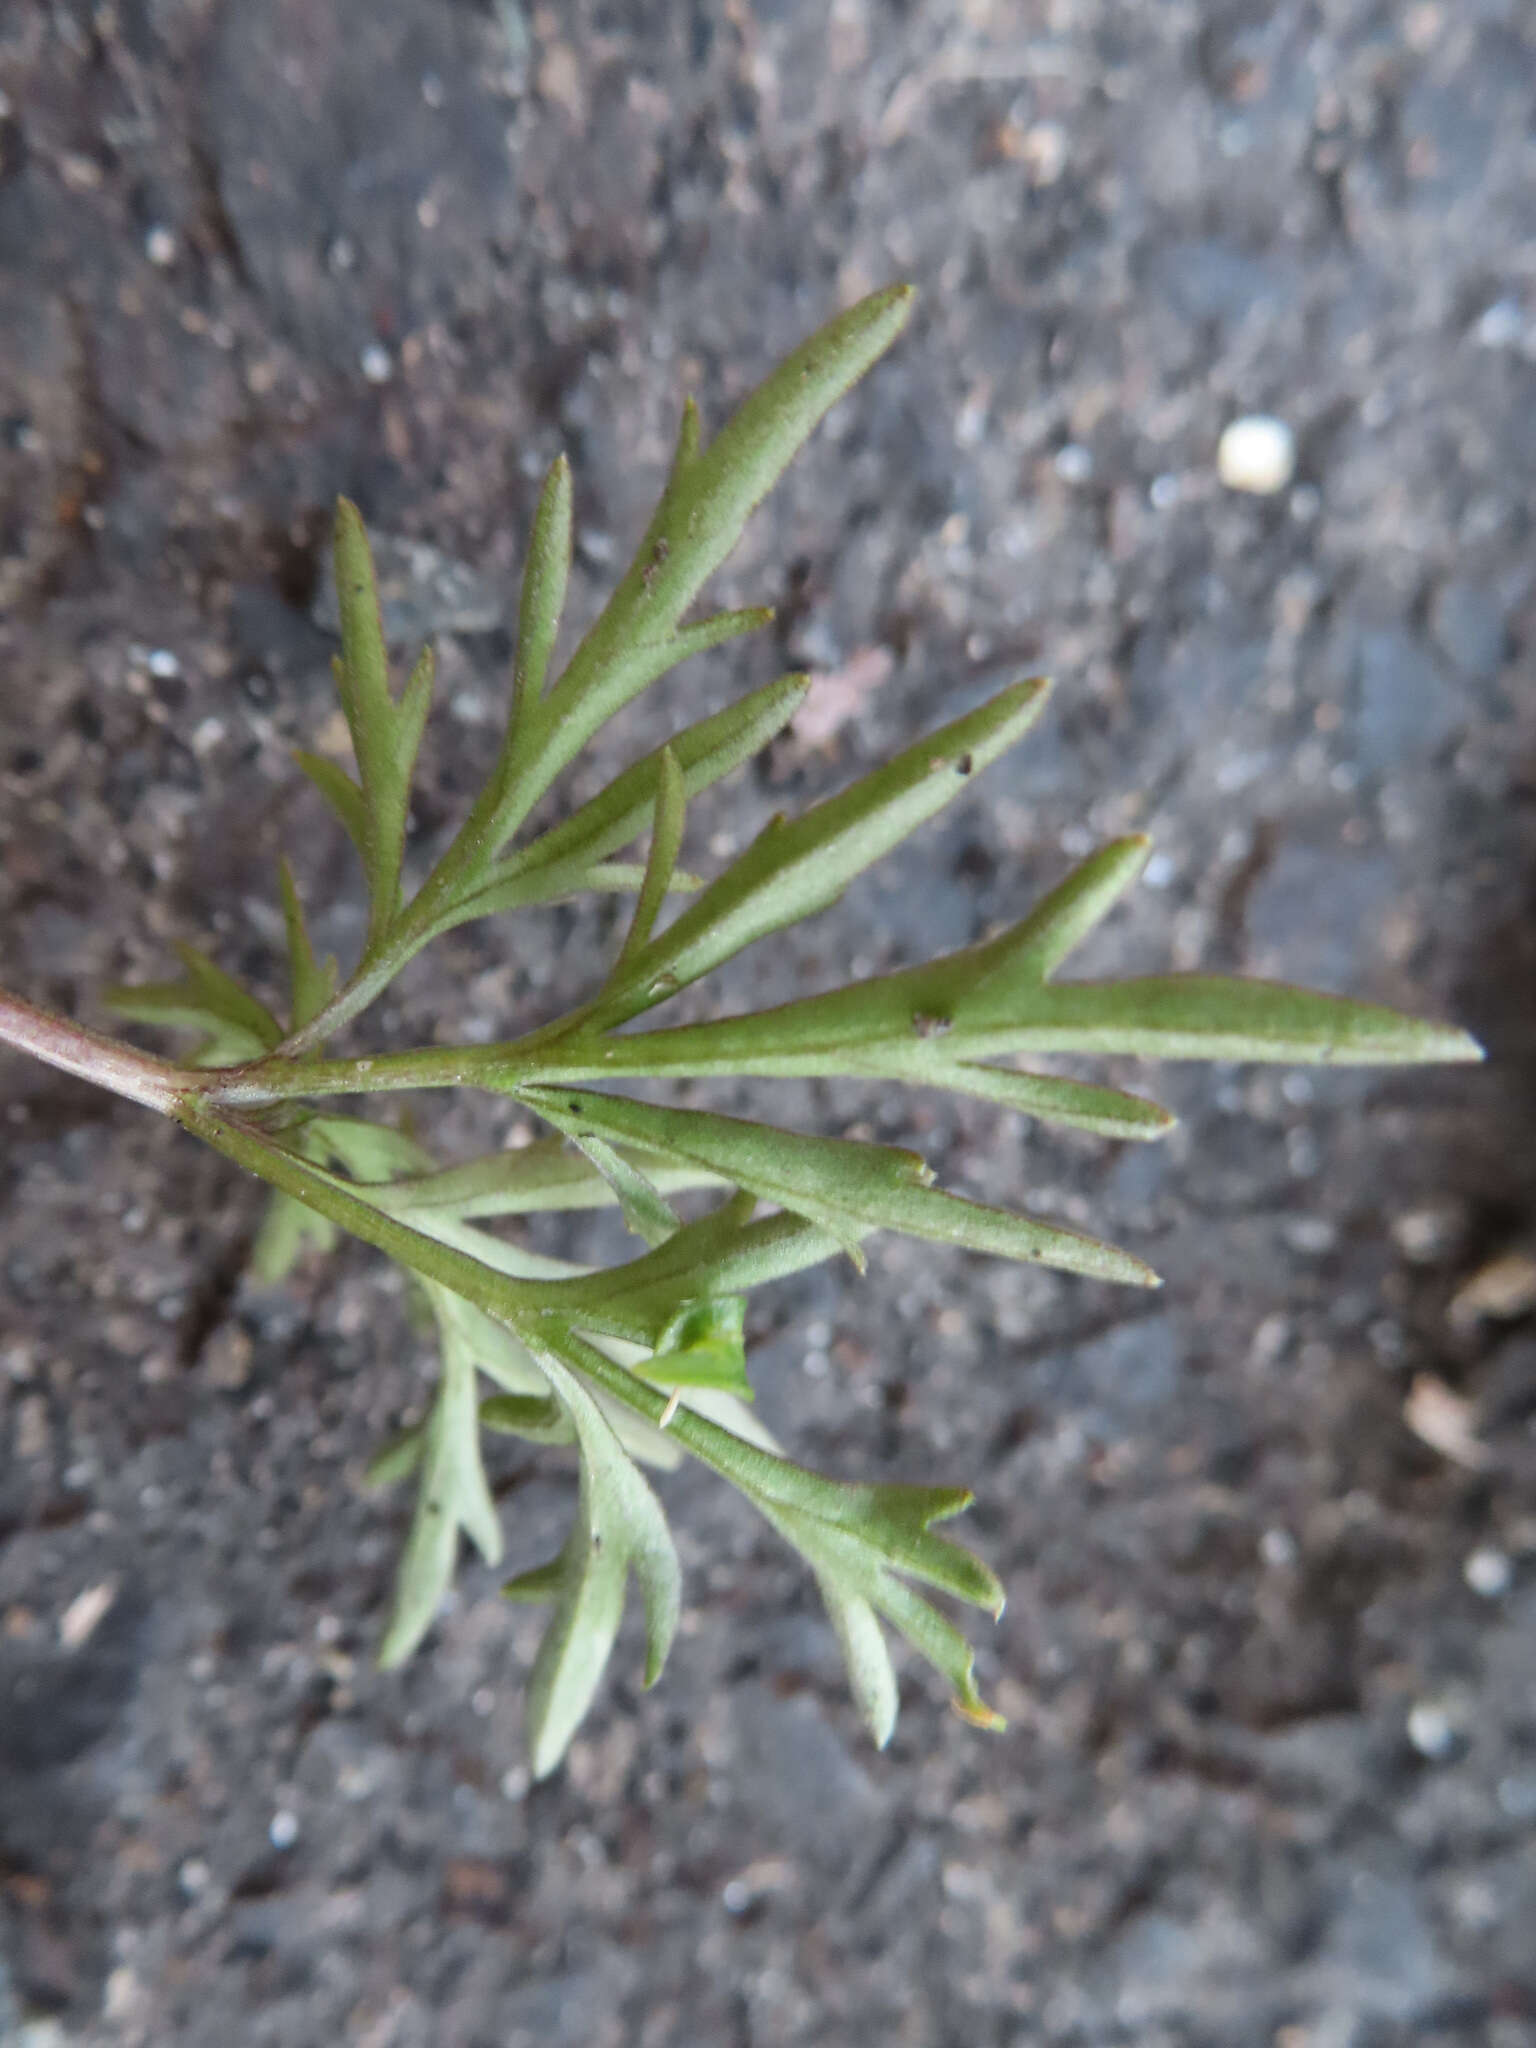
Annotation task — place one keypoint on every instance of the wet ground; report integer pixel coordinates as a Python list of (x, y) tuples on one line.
[(1269, 1538)]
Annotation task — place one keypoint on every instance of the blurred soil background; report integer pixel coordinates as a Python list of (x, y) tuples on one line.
[(1269, 1537)]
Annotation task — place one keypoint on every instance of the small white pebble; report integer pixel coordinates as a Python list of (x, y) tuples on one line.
[(1164, 492), (1277, 1547), (193, 1876), (160, 247), (1488, 1572), (163, 664), (1159, 871), (1311, 1235), (1256, 453), (1074, 463), (376, 363), (1306, 503), (433, 92), (1431, 1730), (482, 1701), (514, 1784), (736, 1896), (283, 1829), (1502, 325)]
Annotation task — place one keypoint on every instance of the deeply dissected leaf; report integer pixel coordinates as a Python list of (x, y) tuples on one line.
[(846, 1188), (793, 870), (1194, 1016), (234, 1026), (666, 843), (703, 1346), (545, 576), (312, 984), (705, 752), (385, 732), (708, 498), (646, 1359), (618, 1526), (864, 1543), (540, 1176), (452, 1494)]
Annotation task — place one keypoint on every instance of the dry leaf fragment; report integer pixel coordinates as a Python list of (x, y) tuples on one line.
[(1445, 1421), (1497, 1293), (85, 1613)]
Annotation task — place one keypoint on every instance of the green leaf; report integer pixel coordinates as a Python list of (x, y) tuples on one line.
[(709, 496), (702, 1346), (1194, 1016), (399, 1457), (571, 714), (539, 1420), (618, 1526), (871, 1675), (543, 1175), (340, 792), (521, 888), (288, 1230), (385, 733), (368, 1151), (452, 1494), (1032, 951), (845, 1188), (235, 1027), (666, 843), (794, 869), (312, 985), (863, 1542), (705, 752), (545, 577)]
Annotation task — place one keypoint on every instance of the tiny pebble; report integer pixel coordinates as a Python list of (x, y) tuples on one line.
[(736, 1896), (283, 1829), (1159, 871), (1074, 464), (160, 247), (1502, 325), (1311, 1235), (1431, 1730), (1488, 1572), (193, 1876), (514, 1784), (1277, 1547), (376, 363), (1164, 492), (163, 663), (1257, 454), (1425, 1235)]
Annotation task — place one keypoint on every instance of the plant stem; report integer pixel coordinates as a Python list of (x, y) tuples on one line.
[(92, 1056)]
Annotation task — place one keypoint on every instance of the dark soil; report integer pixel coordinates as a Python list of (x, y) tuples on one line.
[(1271, 1773)]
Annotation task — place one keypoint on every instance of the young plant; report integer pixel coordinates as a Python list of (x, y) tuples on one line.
[(643, 1362)]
